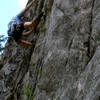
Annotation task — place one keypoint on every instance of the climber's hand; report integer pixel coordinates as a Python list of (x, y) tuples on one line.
[(27, 7), (33, 0)]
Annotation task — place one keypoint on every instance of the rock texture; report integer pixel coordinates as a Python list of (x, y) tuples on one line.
[(65, 62)]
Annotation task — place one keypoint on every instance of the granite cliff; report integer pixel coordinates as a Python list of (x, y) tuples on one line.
[(65, 61)]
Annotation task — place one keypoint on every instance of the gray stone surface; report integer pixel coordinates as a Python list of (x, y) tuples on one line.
[(65, 63)]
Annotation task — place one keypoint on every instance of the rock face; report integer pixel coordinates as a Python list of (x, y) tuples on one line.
[(65, 62)]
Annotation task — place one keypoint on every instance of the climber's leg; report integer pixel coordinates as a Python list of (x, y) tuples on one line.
[(24, 43), (29, 24), (34, 22)]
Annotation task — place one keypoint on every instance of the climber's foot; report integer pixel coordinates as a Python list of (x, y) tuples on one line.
[(38, 18)]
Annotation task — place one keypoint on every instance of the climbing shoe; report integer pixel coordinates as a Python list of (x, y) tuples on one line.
[(38, 18)]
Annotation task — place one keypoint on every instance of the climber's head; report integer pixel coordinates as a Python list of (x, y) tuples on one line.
[(22, 18)]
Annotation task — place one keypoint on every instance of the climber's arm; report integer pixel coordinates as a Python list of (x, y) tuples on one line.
[(24, 43), (27, 7), (27, 33)]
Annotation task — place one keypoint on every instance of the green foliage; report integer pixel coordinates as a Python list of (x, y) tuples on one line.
[(27, 92), (2, 42)]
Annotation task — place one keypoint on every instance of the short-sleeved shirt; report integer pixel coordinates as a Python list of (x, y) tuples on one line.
[(19, 25), (16, 19)]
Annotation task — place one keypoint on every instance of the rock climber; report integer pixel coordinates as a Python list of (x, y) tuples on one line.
[(17, 25)]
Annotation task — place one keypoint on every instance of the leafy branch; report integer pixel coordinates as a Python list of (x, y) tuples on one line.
[(2, 42)]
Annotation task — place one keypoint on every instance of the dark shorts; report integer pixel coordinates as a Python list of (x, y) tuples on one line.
[(18, 33)]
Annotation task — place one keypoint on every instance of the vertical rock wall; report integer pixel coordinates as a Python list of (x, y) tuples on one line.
[(65, 62)]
